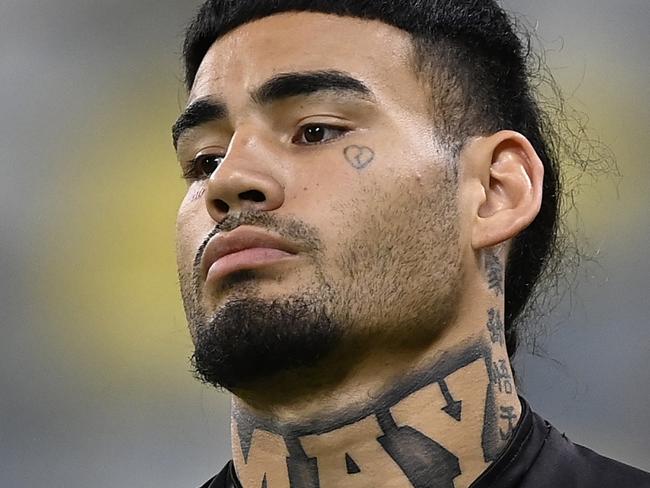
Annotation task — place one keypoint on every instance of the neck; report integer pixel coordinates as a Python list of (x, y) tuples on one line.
[(439, 419)]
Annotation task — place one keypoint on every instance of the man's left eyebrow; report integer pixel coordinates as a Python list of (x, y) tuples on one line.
[(286, 85)]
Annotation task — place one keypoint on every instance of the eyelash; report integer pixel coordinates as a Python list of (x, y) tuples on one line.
[(194, 172), (304, 128)]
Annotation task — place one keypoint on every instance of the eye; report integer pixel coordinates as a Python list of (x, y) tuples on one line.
[(202, 166), (318, 134)]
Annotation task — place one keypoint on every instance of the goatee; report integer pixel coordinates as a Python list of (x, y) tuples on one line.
[(251, 339)]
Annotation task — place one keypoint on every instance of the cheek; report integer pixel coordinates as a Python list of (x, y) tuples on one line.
[(195, 192), (187, 233)]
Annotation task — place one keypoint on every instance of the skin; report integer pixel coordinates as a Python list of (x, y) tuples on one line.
[(412, 257)]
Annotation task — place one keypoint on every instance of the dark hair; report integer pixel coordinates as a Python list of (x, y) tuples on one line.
[(473, 47)]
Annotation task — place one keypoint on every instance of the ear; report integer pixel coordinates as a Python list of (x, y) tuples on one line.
[(510, 177)]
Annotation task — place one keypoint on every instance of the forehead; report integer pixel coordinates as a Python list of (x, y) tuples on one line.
[(378, 54)]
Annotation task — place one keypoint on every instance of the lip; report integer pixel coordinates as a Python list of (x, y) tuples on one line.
[(242, 248)]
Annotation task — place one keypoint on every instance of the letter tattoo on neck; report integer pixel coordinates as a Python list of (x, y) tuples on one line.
[(416, 432)]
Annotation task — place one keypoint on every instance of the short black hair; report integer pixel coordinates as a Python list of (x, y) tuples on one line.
[(473, 47)]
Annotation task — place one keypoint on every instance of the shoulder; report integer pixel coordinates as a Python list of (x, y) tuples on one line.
[(222, 480), (564, 463), (208, 484)]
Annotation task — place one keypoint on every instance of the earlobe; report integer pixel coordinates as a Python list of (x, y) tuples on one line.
[(512, 175)]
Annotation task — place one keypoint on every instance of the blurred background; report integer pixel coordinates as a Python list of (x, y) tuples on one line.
[(95, 388)]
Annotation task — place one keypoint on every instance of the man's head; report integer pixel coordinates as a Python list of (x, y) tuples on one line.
[(357, 131)]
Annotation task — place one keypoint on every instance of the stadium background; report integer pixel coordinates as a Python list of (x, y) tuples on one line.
[(95, 388)]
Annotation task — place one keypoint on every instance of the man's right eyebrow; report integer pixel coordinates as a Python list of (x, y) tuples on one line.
[(200, 112)]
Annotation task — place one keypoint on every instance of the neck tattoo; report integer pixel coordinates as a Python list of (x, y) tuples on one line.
[(441, 427)]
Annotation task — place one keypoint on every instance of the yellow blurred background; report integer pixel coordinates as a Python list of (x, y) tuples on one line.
[(95, 388)]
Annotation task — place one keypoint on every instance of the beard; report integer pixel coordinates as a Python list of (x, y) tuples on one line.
[(390, 285), (250, 338)]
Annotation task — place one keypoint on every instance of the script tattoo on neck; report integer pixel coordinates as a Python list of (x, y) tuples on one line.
[(494, 271), (501, 375), (418, 430), (495, 327), (507, 413)]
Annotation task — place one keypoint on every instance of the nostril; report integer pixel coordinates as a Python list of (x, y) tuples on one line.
[(222, 206), (255, 195)]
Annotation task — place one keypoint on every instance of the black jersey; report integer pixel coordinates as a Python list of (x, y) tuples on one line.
[(538, 456)]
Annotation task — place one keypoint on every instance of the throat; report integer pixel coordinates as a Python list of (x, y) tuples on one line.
[(442, 425)]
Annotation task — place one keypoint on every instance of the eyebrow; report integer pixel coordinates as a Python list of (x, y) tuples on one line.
[(200, 112), (280, 87), (286, 85)]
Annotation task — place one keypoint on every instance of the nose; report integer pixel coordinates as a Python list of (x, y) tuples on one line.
[(245, 181)]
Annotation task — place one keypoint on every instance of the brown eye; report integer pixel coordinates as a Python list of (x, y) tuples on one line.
[(207, 164), (315, 133), (318, 134)]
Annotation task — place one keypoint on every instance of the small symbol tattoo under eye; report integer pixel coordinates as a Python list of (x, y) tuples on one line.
[(197, 195), (359, 156)]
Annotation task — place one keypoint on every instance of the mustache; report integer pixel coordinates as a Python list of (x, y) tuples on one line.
[(204, 244)]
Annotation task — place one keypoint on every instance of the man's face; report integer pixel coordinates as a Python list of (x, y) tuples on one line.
[(353, 178)]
